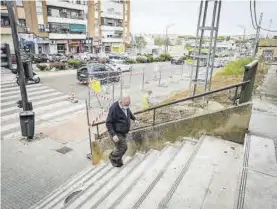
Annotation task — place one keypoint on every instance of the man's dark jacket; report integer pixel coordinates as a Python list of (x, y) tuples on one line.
[(117, 122)]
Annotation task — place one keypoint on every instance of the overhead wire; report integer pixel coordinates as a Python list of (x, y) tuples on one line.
[(255, 24), (251, 15), (255, 13)]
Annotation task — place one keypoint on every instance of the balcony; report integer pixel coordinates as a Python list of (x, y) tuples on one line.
[(61, 36), (66, 20), (112, 40), (64, 4), (113, 15), (111, 28)]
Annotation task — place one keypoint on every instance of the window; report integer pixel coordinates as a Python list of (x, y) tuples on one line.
[(78, 2), (41, 28), (19, 3), (3, 3), (58, 27), (5, 22), (61, 48), (22, 22)]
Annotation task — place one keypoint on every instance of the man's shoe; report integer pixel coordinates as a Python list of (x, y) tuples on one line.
[(115, 163)]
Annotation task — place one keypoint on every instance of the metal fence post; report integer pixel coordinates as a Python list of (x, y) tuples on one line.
[(249, 74), (160, 77), (142, 85), (113, 92), (121, 84)]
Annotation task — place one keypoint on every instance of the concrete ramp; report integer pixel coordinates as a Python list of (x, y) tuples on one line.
[(190, 174)]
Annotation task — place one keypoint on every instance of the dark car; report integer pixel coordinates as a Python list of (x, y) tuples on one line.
[(40, 58), (98, 71), (178, 60)]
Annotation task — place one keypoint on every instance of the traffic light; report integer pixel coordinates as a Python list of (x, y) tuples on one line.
[(6, 56)]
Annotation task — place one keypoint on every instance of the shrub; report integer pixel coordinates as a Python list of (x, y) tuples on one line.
[(235, 67), (165, 57), (42, 67), (58, 65), (150, 58), (188, 61), (141, 59), (157, 59), (76, 63), (130, 61)]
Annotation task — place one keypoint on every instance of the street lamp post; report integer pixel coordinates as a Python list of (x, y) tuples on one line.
[(166, 38), (243, 38)]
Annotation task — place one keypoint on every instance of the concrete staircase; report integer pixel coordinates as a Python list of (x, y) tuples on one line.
[(209, 173)]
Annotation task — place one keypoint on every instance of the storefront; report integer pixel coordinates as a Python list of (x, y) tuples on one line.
[(61, 46), (118, 48), (42, 45)]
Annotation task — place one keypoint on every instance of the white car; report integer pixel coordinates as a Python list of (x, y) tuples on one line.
[(120, 65)]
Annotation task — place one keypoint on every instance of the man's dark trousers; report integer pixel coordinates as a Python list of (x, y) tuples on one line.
[(120, 149)]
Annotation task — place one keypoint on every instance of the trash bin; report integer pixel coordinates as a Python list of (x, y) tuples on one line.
[(28, 69), (27, 123)]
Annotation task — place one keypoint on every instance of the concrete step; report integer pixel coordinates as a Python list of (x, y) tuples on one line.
[(162, 187), (257, 186), (148, 180), (210, 181), (118, 188)]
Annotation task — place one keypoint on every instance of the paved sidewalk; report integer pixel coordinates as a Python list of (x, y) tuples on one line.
[(264, 115)]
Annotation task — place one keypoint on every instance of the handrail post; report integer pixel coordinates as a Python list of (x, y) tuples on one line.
[(97, 128), (249, 75), (236, 94)]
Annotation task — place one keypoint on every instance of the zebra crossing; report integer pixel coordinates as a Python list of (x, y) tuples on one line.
[(49, 106)]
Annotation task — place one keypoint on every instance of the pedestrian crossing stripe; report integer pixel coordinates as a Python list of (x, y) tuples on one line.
[(49, 105)]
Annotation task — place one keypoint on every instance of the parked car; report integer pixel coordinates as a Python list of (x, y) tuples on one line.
[(99, 71), (178, 60), (120, 66), (40, 58)]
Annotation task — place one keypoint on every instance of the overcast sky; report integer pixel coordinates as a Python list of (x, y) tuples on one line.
[(152, 16)]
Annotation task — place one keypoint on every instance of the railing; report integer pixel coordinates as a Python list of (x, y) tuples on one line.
[(245, 94), (154, 108)]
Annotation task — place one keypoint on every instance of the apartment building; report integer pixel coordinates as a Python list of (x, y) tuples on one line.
[(72, 26)]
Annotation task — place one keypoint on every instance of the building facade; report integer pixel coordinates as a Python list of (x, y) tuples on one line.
[(72, 26)]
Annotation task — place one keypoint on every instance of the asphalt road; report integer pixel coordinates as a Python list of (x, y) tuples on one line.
[(68, 82)]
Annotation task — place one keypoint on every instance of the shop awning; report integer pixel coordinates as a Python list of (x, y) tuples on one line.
[(77, 28)]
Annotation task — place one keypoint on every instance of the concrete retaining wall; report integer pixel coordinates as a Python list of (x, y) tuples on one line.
[(229, 124)]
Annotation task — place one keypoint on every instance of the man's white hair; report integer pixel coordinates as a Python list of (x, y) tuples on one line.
[(123, 96)]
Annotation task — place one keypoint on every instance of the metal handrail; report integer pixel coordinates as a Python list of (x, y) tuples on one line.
[(183, 100)]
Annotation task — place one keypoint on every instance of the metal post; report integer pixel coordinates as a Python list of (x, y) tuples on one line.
[(142, 85), (130, 78), (200, 45), (235, 97), (249, 74), (121, 84), (214, 47), (20, 69), (113, 92), (257, 36), (210, 48), (160, 77), (89, 133), (89, 97)]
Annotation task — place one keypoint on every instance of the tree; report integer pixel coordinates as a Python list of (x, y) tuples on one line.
[(222, 38), (228, 38), (140, 43), (159, 41)]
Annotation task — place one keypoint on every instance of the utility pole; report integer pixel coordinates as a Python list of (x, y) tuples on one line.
[(257, 36), (27, 116), (20, 69)]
